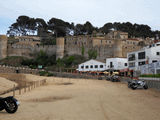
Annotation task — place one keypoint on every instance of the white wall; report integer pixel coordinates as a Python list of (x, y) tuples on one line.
[(150, 55), (91, 63), (118, 63), (153, 68)]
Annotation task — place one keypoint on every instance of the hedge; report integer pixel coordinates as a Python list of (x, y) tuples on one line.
[(151, 75)]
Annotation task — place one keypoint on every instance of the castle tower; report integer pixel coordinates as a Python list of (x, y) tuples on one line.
[(117, 48), (60, 47), (3, 46)]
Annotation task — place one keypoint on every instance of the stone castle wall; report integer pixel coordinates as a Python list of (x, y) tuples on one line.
[(3, 46), (10, 69), (49, 49), (106, 48), (115, 44), (30, 51), (60, 47)]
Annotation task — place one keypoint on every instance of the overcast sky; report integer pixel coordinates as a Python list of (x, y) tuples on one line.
[(98, 12)]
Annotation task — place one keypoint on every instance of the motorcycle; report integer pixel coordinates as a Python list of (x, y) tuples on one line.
[(10, 104), (108, 78), (115, 78), (134, 84)]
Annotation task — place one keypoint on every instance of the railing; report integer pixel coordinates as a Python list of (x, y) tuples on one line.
[(28, 87)]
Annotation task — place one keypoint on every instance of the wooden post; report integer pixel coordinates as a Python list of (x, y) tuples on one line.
[(19, 91), (14, 86), (29, 87), (37, 83), (25, 86), (34, 84)]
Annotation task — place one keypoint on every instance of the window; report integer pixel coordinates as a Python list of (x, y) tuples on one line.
[(158, 53), (158, 71), (153, 61), (141, 55), (125, 64), (132, 64), (91, 66), (82, 67), (96, 66), (111, 64), (101, 66), (131, 57), (87, 67), (141, 63)]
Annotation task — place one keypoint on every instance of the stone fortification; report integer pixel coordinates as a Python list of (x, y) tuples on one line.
[(3, 46), (60, 42), (114, 44)]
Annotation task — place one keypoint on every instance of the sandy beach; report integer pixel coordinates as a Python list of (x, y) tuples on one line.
[(79, 99)]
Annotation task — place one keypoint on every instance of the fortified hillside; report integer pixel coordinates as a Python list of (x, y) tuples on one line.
[(28, 46), (113, 44)]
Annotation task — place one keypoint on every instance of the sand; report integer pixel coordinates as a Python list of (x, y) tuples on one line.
[(6, 84), (77, 99)]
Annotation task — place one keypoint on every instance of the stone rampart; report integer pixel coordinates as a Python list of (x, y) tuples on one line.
[(10, 69)]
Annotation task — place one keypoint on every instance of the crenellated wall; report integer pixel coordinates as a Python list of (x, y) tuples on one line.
[(114, 44)]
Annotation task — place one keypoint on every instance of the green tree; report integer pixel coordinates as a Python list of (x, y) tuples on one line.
[(60, 64), (41, 58), (92, 54), (60, 27), (68, 61), (25, 25), (88, 28), (82, 50)]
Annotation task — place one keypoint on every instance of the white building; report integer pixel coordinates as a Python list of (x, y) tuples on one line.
[(153, 68), (147, 55), (92, 65), (116, 63)]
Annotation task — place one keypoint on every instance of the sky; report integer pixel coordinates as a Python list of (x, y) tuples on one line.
[(98, 12)]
